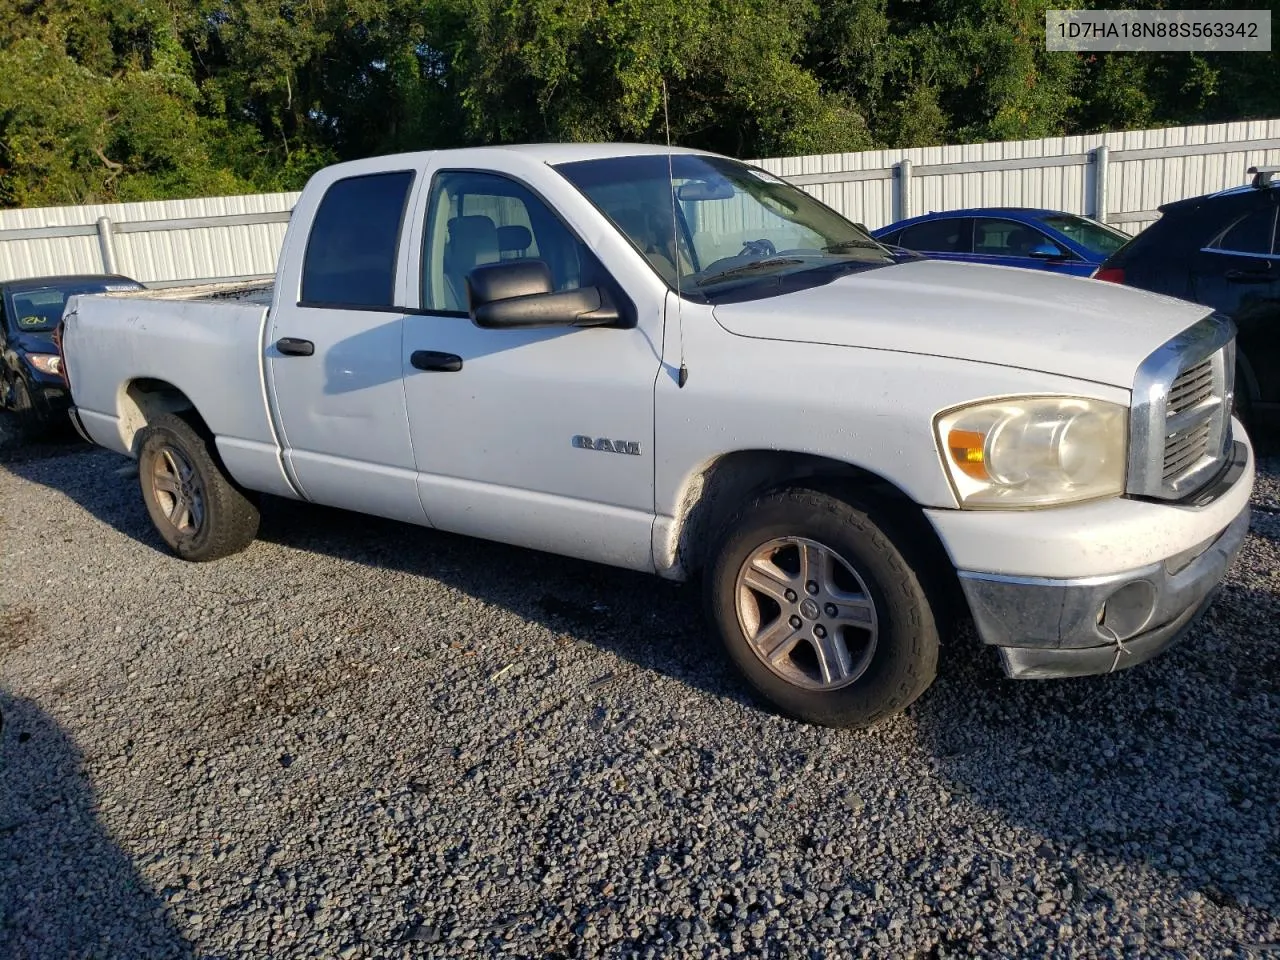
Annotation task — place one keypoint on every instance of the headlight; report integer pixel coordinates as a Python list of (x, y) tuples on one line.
[(49, 363), (1034, 451)]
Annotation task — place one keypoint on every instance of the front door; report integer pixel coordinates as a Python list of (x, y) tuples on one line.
[(333, 355), (536, 437), (1008, 243)]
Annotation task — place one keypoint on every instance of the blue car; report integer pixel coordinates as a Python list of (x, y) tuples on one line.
[(1009, 237)]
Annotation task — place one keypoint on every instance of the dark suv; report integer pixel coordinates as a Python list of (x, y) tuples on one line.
[(1221, 250)]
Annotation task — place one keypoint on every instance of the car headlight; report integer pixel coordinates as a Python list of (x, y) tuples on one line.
[(49, 363), (1034, 451)]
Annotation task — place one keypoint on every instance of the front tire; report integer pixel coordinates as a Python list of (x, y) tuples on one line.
[(198, 512), (820, 610)]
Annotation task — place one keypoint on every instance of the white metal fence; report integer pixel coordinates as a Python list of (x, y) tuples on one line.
[(1120, 178), (156, 241)]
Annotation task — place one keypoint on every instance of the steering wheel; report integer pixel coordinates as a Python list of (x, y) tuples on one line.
[(759, 248)]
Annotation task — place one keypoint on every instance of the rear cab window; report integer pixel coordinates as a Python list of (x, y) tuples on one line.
[(351, 253)]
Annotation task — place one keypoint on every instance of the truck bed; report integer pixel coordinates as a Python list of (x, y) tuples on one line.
[(130, 358), (238, 291)]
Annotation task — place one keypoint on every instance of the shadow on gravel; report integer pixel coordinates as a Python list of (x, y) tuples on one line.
[(655, 624), (1174, 765), (101, 482), (66, 889)]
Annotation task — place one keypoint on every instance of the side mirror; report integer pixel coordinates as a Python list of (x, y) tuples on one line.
[(1047, 251), (518, 294)]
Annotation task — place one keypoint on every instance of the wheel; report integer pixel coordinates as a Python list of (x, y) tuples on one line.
[(820, 611), (195, 507), (24, 425)]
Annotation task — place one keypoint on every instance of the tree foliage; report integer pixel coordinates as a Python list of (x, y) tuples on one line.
[(139, 99)]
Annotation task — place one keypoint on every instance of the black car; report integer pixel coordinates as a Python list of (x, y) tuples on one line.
[(31, 383), (1221, 250)]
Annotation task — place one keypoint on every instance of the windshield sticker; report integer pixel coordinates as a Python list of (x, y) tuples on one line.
[(763, 175)]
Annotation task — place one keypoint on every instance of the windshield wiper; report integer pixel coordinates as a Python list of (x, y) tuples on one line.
[(746, 268)]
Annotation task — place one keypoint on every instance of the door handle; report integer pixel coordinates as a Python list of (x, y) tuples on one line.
[(1261, 275), (435, 360), (293, 347)]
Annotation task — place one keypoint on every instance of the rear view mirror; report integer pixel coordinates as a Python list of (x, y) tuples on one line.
[(518, 294), (697, 190)]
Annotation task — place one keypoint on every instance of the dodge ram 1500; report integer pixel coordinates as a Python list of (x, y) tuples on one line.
[(679, 363)]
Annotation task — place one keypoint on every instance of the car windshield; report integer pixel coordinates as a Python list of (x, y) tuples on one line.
[(40, 310), (1093, 236), (728, 226)]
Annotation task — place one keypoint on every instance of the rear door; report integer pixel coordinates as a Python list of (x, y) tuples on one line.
[(333, 350)]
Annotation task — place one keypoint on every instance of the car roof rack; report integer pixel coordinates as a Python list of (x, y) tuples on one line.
[(1262, 176)]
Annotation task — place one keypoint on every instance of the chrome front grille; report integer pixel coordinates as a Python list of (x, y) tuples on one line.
[(1191, 387), (1180, 426), (1183, 450)]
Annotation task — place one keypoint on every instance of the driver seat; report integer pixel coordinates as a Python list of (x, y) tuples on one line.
[(472, 241)]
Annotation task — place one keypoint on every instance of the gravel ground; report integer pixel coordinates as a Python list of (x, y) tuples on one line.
[(359, 739)]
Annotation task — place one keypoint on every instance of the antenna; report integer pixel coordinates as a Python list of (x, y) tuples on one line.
[(675, 237)]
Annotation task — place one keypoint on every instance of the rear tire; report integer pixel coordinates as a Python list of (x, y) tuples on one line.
[(821, 612), (197, 510)]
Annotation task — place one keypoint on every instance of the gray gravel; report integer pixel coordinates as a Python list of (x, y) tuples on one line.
[(359, 739)]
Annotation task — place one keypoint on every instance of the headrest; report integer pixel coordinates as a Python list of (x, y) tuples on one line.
[(514, 238), (473, 240)]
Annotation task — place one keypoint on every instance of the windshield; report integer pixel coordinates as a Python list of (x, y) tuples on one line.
[(1093, 236), (734, 226), (40, 310)]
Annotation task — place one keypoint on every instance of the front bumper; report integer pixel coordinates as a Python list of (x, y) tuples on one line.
[(1078, 626), (49, 397), (53, 399)]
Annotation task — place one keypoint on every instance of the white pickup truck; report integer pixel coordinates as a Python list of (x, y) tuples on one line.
[(678, 363)]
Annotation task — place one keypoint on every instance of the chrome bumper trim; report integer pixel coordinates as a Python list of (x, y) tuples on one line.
[(1053, 628)]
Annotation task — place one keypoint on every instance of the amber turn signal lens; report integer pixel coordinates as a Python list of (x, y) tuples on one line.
[(966, 450)]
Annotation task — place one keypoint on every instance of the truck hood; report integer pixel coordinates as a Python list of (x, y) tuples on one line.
[(1032, 320)]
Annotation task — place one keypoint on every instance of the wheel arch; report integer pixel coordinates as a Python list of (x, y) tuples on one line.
[(717, 492), (142, 400)]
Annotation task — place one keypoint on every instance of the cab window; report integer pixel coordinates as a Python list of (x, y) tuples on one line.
[(478, 218), (351, 253)]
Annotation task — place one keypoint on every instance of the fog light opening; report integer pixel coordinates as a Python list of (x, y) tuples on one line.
[(1127, 611)]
